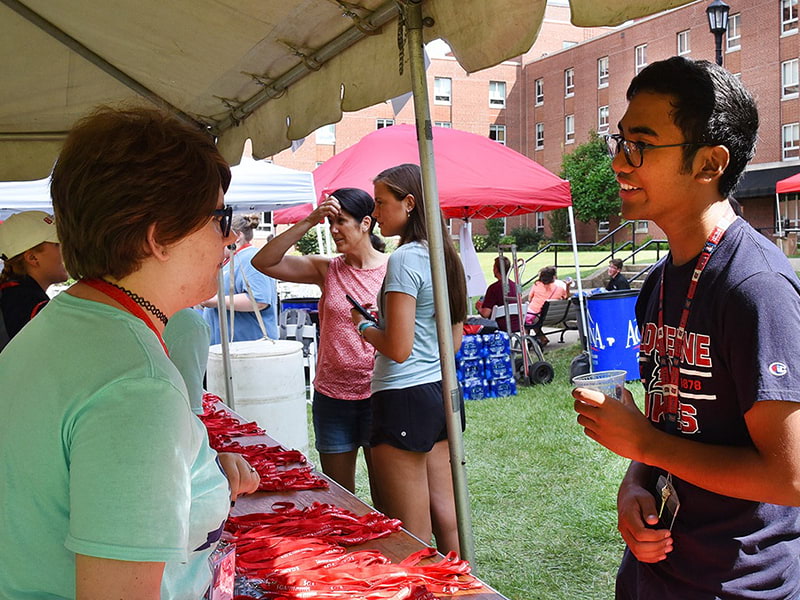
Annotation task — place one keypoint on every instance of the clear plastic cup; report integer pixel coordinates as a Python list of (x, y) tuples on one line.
[(611, 383)]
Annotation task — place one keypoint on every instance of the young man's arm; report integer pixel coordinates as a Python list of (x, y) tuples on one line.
[(767, 471), (636, 509)]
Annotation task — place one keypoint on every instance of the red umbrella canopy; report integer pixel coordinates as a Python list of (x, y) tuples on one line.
[(784, 186), (477, 176)]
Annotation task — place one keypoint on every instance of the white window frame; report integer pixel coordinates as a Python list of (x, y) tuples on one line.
[(499, 133), (446, 124), (640, 57), (682, 42), (538, 91), (381, 123), (569, 129), (569, 82), (603, 226), (642, 227), (789, 26), (790, 141), (733, 36), (602, 72), (440, 95), (539, 129), (539, 226), (789, 79), (497, 94), (326, 135), (602, 119)]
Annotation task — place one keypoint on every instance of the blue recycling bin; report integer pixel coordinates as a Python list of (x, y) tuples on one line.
[(613, 333)]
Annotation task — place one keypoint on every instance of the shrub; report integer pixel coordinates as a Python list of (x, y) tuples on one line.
[(481, 242), (308, 243), (559, 224), (508, 239), (494, 231), (527, 238)]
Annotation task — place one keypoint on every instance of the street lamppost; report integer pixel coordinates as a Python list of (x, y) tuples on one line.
[(717, 13)]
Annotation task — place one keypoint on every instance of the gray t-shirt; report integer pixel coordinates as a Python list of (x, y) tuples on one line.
[(409, 272)]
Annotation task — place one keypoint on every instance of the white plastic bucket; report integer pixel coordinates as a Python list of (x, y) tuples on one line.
[(268, 387)]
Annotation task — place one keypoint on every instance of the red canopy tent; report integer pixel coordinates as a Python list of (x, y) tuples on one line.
[(784, 186), (478, 177)]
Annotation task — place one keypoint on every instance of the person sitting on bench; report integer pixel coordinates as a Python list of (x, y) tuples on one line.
[(545, 288)]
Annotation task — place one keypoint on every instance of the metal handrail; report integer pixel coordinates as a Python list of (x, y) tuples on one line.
[(615, 249)]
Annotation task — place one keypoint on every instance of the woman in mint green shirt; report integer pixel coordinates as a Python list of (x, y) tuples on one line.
[(109, 487)]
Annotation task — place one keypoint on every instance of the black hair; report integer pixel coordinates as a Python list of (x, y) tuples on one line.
[(359, 204), (712, 107)]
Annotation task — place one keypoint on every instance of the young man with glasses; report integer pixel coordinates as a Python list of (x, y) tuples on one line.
[(708, 507)]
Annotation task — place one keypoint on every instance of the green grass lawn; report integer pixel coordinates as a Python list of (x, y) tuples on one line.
[(542, 494)]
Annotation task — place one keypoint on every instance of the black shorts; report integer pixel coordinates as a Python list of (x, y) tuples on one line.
[(412, 418)]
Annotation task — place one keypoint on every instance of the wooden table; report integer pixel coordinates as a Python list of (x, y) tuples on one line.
[(396, 546)]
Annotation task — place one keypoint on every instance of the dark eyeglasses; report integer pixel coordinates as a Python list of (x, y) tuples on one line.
[(634, 151), (225, 218)]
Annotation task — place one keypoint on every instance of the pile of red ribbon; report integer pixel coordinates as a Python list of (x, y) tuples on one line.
[(222, 427), (324, 522)]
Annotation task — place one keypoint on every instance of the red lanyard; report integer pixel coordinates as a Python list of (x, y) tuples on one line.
[(127, 302), (670, 373)]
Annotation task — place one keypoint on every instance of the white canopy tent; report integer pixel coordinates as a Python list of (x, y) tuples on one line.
[(256, 186), (270, 71)]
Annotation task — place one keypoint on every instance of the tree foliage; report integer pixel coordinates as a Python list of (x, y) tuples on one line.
[(595, 193), (559, 224)]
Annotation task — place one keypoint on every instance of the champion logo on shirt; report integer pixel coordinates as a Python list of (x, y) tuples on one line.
[(778, 369)]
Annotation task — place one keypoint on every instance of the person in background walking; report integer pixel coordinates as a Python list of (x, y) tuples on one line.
[(617, 281), (31, 263), (341, 407), (410, 451)]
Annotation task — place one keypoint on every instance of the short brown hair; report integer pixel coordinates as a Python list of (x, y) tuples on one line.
[(122, 170), (616, 262)]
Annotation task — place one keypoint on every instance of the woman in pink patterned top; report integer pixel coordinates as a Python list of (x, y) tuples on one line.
[(341, 409)]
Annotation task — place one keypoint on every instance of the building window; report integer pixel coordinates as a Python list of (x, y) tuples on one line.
[(733, 37), (446, 124), (602, 119), (683, 42), (640, 53), (569, 82), (319, 163), (539, 221), (497, 94), (538, 87), (642, 226), (602, 226), (442, 90), (789, 78), (326, 135), (569, 129), (602, 72), (540, 136), (791, 141), (788, 17), (498, 133), (381, 123)]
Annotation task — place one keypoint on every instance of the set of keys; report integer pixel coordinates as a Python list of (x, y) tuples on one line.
[(670, 504)]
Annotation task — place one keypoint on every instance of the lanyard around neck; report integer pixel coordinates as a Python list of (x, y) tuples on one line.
[(127, 303), (669, 357)]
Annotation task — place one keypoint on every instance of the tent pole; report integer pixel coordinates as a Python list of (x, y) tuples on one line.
[(581, 298), (450, 389), (779, 228), (223, 336)]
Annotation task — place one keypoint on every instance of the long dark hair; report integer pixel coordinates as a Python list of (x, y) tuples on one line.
[(406, 179), (359, 204)]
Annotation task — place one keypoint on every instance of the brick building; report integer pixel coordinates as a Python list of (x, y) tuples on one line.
[(573, 80)]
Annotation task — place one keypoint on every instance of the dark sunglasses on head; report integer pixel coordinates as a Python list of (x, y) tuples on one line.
[(225, 215)]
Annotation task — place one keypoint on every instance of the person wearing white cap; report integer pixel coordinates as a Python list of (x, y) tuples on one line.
[(31, 263)]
